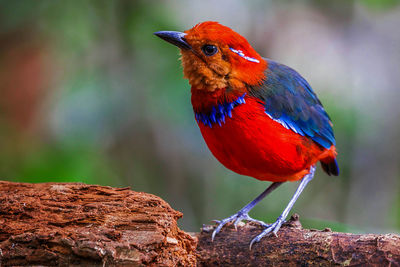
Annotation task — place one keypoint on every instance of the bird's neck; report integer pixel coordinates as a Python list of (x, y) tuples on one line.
[(204, 101), (214, 107)]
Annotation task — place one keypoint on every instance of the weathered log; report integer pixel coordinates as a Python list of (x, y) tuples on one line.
[(296, 246), (78, 224)]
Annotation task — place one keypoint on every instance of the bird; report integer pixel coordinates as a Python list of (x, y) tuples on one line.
[(258, 117)]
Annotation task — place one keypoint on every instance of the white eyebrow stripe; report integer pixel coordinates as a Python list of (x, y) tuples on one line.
[(240, 53)]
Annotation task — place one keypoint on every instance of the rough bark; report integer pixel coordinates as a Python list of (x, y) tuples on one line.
[(296, 246), (78, 224)]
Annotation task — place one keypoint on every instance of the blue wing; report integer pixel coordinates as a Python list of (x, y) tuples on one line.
[(289, 99)]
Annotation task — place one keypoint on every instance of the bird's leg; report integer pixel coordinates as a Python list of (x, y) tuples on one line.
[(243, 214), (274, 228)]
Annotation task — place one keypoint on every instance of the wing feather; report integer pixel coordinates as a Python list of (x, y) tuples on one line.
[(289, 100)]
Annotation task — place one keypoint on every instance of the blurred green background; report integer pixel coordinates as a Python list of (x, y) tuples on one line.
[(88, 94)]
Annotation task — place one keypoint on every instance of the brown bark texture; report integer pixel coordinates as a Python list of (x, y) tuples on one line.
[(68, 224), (296, 246), (78, 224)]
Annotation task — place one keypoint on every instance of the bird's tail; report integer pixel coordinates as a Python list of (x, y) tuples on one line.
[(330, 166)]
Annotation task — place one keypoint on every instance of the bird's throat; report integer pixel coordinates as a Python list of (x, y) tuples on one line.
[(218, 103), (218, 113), (203, 75)]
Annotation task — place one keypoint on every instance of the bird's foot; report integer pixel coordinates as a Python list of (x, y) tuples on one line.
[(274, 228), (235, 219)]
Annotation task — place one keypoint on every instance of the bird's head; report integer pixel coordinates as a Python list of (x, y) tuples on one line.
[(215, 57)]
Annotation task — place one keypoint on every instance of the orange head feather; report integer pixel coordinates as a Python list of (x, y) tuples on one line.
[(217, 61), (234, 64)]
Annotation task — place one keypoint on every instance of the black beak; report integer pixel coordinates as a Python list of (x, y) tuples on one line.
[(175, 38)]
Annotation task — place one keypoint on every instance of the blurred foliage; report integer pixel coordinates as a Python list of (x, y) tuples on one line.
[(90, 95), (381, 4)]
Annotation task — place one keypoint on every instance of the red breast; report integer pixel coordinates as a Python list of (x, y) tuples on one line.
[(251, 143)]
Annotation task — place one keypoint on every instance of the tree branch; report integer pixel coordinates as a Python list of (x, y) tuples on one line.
[(78, 224), (296, 246)]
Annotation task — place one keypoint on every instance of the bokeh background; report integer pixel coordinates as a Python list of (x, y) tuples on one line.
[(88, 94)]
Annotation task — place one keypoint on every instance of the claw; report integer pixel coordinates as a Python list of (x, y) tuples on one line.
[(236, 219), (273, 228), (277, 229), (251, 243), (213, 236), (241, 218), (216, 231)]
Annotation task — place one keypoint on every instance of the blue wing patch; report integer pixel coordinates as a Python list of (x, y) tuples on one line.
[(289, 100)]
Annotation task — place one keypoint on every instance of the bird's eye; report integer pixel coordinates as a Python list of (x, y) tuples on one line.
[(209, 50)]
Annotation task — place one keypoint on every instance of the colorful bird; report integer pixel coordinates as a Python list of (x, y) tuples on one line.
[(258, 117)]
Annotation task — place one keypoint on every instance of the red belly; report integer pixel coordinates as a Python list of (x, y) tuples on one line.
[(251, 143)]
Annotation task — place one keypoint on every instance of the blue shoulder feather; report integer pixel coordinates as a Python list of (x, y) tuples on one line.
[(289, 100)]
